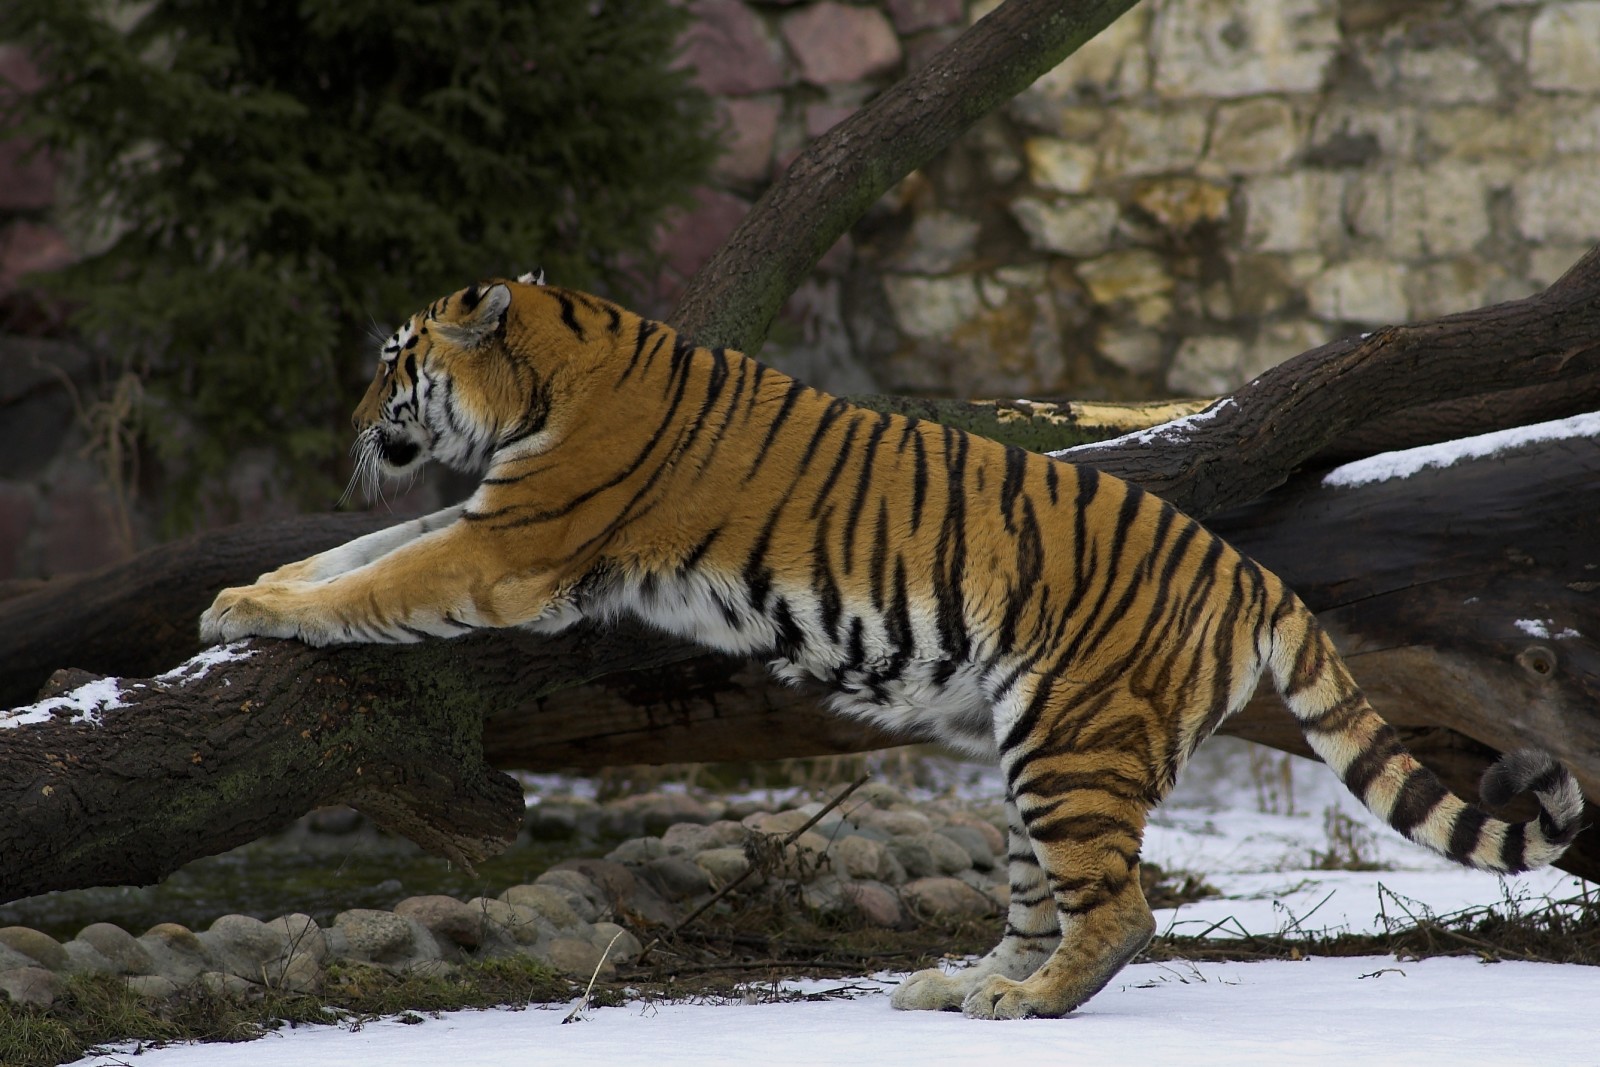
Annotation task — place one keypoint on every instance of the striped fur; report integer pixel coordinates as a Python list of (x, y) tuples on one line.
[(1083, 633)]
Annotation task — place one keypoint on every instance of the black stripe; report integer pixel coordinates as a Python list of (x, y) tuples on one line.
[(1466, 833), (784, 410), (1418, 797), (863, 480), (1011, 485), (569, 315)]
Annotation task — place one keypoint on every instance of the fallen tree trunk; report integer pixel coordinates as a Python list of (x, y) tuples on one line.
[(1424, 580)]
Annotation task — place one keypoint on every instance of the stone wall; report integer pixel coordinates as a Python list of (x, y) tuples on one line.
[(1208, 188)]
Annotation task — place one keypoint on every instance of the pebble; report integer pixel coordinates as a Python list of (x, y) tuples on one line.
[(879, 859)]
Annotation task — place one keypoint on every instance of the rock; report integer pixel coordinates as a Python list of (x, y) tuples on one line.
[(730, 50), (1559, 202), (931, 307), (581, 894), (1181, 204), (151, 986), (992, 835), (1424, 211), (41, 948), (689, 838), (119, 947), (971, 842), (578, 958), (84, 958), (948, 856), (297, 973), (902, 822), (912, 16), (1061, 166), (676, 878), (506, 922), (336, 820), (225, 984), (545, 902), (1564, 47), (657, 812), (944, 897), (859, 857), (688, 239), (30, 987), (244, 946), (1114, 63), (450, 921), (723, 865), (1293, 212), (875, 902), (620, 946), (383, 937), (1078, 226), (824, 894), (914, 855), (1136, 350), (1219, 48), (175, 953), (1152, 142), (835, 43), (752, 126), (1251, 136), (1206, 366), (878, 794), (1366, 291), (938, 242), (637, 851), (1128, 274), (615, 882)]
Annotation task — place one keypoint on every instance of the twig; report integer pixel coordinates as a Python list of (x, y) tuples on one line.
[(748, 871), (576, 1014)]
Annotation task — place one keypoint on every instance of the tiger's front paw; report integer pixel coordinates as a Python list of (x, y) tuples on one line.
[(304, 570), (999, 997), (250, 610)]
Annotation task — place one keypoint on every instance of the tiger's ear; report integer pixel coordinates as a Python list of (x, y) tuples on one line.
[(533, 277), (480, 314)]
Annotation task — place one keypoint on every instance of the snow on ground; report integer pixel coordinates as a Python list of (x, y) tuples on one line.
[(1447, 1011)]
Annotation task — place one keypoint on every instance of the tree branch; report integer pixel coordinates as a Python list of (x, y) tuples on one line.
[(733, 298)]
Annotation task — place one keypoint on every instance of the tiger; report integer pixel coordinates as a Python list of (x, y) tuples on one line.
[(1080, 632)]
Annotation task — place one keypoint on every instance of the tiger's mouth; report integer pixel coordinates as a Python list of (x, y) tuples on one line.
[(398, 454)]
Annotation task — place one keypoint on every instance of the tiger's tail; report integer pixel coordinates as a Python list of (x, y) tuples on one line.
[(1368, 756)]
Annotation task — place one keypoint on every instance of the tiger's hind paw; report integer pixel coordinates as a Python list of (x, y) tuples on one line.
[(932, 990)]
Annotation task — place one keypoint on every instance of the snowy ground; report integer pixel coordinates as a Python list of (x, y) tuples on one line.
[(1317, 1011)]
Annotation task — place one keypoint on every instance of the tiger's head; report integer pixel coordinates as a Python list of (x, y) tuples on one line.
[(470, 374)]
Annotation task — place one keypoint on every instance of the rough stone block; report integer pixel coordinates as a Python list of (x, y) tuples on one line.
[(752, 129), (912, 16), (731, 50), (1206, 366), (1062, 166), (1564, 47), (1222, 48), (834, 43), (1560, 202), (30, 987), (1367, 291), (1252, 136), (1071, 227)]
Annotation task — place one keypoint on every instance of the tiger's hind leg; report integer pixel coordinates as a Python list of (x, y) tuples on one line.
[(1084, 812), (1032, 931)]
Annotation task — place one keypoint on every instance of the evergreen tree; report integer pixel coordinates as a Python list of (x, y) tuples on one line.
[(264, 181)]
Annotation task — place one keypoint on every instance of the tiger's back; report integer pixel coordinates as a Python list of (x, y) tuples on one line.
[(1082, 632)]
